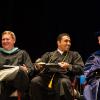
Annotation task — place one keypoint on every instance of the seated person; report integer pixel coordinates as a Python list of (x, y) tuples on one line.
[(92, 74), (70, 63), (19, 65)]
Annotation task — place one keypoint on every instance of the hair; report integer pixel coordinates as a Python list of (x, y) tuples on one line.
[(61, 35), (10, 33)]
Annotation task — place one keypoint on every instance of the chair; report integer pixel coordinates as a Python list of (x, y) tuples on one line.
[(81, 84)]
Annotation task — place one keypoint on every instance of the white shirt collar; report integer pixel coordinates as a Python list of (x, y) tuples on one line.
[(61, 52)]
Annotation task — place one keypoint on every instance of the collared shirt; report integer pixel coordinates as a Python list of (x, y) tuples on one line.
[(61, 52)]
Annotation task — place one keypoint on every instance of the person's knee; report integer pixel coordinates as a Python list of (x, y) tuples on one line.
[(65, 81), (35, 80)]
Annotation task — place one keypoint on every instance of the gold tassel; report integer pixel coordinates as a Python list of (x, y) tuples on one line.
[(50, 83)]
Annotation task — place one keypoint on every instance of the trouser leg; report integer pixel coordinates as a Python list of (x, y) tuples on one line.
[(38, 89), (21, 82), (66, 88)]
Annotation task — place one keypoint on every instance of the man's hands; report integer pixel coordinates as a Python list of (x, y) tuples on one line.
[(64, 65), (24, 68), (39, 65)]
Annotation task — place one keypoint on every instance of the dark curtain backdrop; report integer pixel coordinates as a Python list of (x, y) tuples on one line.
[(37, 23)]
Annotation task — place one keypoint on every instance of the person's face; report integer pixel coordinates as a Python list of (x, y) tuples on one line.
[(99, 40), (7, 42), (64, 44)]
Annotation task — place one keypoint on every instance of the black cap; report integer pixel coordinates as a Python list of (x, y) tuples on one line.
[(97, 33)]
